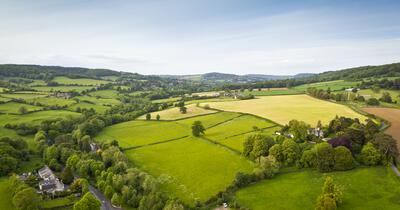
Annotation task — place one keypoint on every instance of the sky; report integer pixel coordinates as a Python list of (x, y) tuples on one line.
[(275, 37)]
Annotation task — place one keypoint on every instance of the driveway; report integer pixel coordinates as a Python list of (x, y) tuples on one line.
[(105, 203)]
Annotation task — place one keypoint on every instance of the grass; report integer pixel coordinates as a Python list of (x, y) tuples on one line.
[(99, 101), (24, 96), (191, 168), (58, 202), (3, 100), (63, 88), (79, 81), (363, 188), (35, 118), (53, 101), (84, 105), (167, 100), (333, 85), (13, 107), (5, 198), (210, 100), (210, 120), (139, 133), (272, 92), (32, 164), (105, 93), (282, 109), (368, 93), (174, 113)]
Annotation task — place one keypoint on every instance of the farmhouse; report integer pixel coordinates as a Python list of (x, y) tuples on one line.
[(50, 182), (316, 132), (65, 95)]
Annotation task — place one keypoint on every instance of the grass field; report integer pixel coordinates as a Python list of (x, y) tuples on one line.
[(62, 88), (368, 93), (167, 100), (273, 92), (364, 188), (333, 85), (24, 96), (58, 202), (13, 107), (5, 198), (210, 120), (4, 99), (282, 109), (105, 93), (79, 81), (36, 117), (53, 101), (99, 101), (191, 168), (84, 105), (139, 133), (393, 116), (174, 113)]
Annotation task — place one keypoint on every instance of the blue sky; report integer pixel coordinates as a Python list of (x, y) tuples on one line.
[(189, 37)]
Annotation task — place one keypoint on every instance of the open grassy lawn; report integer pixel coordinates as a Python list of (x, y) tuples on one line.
[(79, 81), (139, 133), (13, 107), (53, 101), (333, 85), (105, 93), (35, 117), (98, 101), (58, 202), (191, 168), (4, 99), (5, 195), (364, 188), (174, 113), (85, 105), (272, 92), (24, 96), (282, 109), (62, 88)]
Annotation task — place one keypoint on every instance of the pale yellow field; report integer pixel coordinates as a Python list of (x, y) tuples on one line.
[(282, 109), (174, 113)]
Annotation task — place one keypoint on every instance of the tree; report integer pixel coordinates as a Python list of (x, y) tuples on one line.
[(26, 199), (261, 146), (183, 109), (67, 176), (109, 192), (87, 202), (268, 166), (325, 156), (386, 97), (370, 155), (299, 130), (373, 102), (173, 205), (343, 159), (290, 151), (148, 116), (158, 117), (197, 128), (7, 164), (116, 200), (386, 145), (331, 196), (276, 151), (23, 110)]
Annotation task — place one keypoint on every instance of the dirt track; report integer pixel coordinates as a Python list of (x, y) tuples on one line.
[(391, 115)]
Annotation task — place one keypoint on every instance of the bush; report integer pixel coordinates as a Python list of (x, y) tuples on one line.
[(343, 159), (370, 156), (373, 102)]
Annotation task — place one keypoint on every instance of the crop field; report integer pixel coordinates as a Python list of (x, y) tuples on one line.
[(79, 81), (24, 96), (211, 100), (363, 188), (391, 115), (53, 101), (272, 92), (99, 101), (5, 198), (333, 85), (105, 94), (174, 113), (63, 88), (84, 105), (191, 168), (13, 107), (139, 133), (282, 109)]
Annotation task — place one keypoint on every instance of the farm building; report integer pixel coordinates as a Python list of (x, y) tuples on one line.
[(50, 182)]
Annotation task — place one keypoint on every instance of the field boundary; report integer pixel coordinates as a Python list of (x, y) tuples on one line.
[(185, 118), (266, 128), (222, 145), (225, 121), (154, 143)]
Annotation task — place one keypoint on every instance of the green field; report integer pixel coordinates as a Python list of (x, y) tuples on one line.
[(59, 203), (79, 81), (282, 109), (13, 107), (364, 188), (35, 117), (24, 96), (368, 93), (333, 85), (84, 105), (63, 88), (167, 100), (192, 169), (174, 113), (53, 101), (4, 99), (210, 120), (105, 94), (98, 101), (273, 92), (5, 198)]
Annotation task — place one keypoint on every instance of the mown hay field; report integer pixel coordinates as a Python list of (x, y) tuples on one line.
[(174, 113), (282, 109), (191, 168), (79, 81), (363, 188)]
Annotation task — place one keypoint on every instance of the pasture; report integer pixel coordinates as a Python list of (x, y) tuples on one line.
[(84, 105), (105, 94), (273, 91), (36, 117), (53, 101), (282, 109), (174, 113), (5, 198), (97, 100), (191, 168), (62, 88), (363, 188), (79, 81), (368, 93), (167, 100), (335, 85), (23, 96), (13, 107)]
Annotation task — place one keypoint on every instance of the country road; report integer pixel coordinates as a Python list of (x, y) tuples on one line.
[(105, 203)]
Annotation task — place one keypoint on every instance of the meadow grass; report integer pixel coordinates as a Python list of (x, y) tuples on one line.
[(53, 101), (13, 107), (333, 85), (363, 188), (58, 202), (62, 88), (282, 109), (139, 133), (99, 101), (3, 100), (105, 94), (24, 96), (5, 195), (209, 120), (174, 113), (36, 118), (191, 168), (83, 105), (167, 100), (368, 93), (79, 81), (272, 92)]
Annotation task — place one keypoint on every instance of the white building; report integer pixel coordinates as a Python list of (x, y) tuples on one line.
[(50, 183)]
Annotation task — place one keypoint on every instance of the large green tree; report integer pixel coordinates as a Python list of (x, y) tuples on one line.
[(198, 128), (87, 202), (26, 199)]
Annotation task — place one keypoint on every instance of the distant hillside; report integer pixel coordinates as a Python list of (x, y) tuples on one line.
[(233, 78)]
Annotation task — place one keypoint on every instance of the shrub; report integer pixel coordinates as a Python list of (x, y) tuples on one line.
[(370, 155), (343, 159), (373, 102)]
